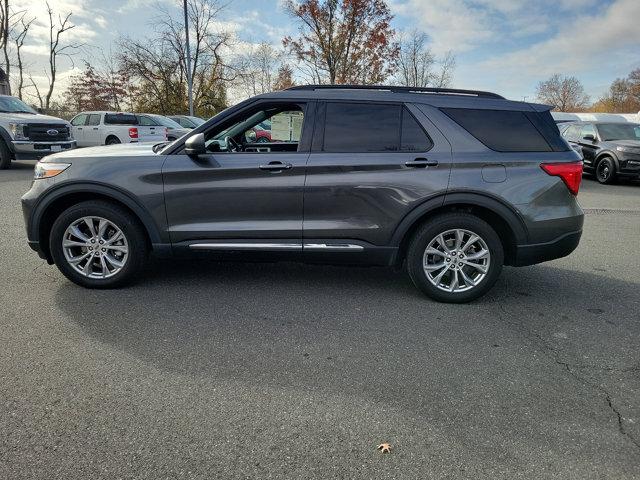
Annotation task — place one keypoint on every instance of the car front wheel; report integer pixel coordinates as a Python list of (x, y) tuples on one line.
[(98, 245), (606, 171), (455, 258)]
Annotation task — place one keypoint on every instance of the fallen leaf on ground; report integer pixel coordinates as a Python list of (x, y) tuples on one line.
[(384, 447)]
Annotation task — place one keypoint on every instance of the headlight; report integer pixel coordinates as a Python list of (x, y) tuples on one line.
[(20, 131), (48, 170), (628, 149)]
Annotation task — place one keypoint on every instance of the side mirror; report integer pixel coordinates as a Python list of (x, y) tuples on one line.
[(589, 136), (195, 145)]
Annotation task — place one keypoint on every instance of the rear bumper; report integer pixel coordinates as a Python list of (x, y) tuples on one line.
[(543, 252)]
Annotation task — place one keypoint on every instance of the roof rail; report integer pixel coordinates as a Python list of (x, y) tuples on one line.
[(396, 89)]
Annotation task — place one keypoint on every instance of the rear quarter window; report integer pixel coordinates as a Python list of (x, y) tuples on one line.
[(506, 130), (120, 119)]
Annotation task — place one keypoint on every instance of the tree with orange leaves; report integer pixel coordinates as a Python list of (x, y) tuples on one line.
[(343, 41)]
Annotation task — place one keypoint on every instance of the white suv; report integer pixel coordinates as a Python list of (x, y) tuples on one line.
[(28, 135), (108, 128)]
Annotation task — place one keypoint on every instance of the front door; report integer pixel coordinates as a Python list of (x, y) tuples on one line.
[(77, 128), (92, 135), (241, 192)]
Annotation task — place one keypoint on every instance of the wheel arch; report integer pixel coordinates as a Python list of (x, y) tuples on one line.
[(112, 135), (50, 207), (503, 219), (609, 154)]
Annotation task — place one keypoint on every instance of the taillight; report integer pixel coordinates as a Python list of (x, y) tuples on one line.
[(570, 173), (133, 132)]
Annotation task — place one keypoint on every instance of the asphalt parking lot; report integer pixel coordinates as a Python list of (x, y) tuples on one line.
[(215, 371)]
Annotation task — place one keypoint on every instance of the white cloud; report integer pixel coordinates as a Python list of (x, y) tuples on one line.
[(600, 38), (452, 24)]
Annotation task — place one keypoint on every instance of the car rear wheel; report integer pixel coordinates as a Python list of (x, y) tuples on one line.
[(606, 171), (112, 141), (455, 258), (98, 245)]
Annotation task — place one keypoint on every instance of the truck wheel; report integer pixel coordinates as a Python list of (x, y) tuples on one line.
[(97, 244), (5, 156), (455, 258), (112, 141)]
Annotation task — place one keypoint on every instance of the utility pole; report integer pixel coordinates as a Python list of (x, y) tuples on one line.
[(188, 60)]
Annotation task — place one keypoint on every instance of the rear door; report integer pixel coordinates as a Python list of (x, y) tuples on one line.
[(370, 165), (150, 131)]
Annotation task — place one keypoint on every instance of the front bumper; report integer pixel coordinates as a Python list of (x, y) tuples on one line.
[(28, 150), (543, 252)]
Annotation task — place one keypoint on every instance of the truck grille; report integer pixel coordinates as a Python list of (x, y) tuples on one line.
[(45, 132)]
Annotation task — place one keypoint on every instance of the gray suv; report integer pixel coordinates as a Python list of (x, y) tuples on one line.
[(452, 184)]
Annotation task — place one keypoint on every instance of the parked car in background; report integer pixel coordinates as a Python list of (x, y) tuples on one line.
[(610, 150), (187, 121), (26, 134), (174, 129), (109, 128), (452, 184)]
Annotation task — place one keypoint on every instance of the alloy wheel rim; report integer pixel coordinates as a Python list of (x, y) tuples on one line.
[(604, 171), (95, 247), (456, 260)]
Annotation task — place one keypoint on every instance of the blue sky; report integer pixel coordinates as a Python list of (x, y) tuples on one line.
[(506, 46)]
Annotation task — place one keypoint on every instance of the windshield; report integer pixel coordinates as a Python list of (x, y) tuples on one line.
[(619, 131), (165, 122), (14, 105)]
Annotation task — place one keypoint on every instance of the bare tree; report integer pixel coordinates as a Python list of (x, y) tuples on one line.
[(5, 16), (417, 66), (57, 48), (259, 69), (565, 93), (38, 95), (157, 65), (19, 38)]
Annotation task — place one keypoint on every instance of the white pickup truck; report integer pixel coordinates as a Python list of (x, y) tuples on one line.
[(108, 128), (25, 134)]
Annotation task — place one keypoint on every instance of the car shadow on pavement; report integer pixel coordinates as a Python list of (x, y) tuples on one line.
[(290, 322), (493, 373)]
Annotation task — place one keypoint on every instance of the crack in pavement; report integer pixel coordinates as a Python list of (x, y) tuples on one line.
[(552, 354)]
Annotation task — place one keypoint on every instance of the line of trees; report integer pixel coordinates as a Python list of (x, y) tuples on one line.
[(338, 42), (567, 94)]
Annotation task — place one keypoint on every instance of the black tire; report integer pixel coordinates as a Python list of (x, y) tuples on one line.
[(263, 140), (606, 171), (112, 141), (429, 232), (5, 156), (124, 220)]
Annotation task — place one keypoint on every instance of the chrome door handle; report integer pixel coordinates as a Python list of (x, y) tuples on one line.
[(422, 163), (275, 166)]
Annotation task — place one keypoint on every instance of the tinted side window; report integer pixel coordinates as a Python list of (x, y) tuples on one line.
[(94, 119), (360, 127), (414, 138), (146, 121), (572, 132), (79, 120), (500, 130), (120, 119), (587, 129)]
